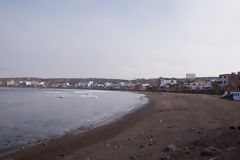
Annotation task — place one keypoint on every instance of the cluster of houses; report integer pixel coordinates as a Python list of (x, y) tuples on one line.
[(19, 83), (92, 85), (227, 84), (190, 84), (78, 85)]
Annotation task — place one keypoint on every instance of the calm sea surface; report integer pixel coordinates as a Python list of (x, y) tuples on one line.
[(30, 115)]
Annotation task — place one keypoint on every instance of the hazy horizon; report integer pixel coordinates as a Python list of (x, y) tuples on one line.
[(118, 39), (99, 77)]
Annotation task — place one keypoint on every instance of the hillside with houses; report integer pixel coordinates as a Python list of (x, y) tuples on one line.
[(229, 82)]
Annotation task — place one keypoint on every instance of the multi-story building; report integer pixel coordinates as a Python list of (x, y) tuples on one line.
[(223, 80), (229, 82), (190, 76), (199, 84), (167, 82)]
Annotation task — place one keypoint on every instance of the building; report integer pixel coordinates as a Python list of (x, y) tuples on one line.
[(90, 84), (122, 84), (10, 83), (81, 85), (27, 83), (21, 82), (192, 85), (229, 82), (42, 84), (201, 85), (223, 81), (99, 85), (145, 86), (65, 84), (35, 83), (190, 76), (204, 84), (166, 82), (236, 96), (108, 85), (130, 86)]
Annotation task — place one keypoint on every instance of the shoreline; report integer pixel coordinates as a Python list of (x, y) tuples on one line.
[(168, 118), (82, 129)]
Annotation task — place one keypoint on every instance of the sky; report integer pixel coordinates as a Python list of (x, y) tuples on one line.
[(119, 38)]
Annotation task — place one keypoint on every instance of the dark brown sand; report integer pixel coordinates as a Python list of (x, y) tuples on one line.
[(190, 122)]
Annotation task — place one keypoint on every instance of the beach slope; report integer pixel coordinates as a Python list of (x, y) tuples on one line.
[(170, 126)]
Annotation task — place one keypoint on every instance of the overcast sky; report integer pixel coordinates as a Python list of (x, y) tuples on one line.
[(119, 38)]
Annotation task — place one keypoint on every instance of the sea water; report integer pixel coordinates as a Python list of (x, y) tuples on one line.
[(32, 115)]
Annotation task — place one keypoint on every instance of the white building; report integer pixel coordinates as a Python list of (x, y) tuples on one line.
[(199, 84), (190, 75), (167, 82), (66, 84), (90, 84), (192, 86), (42, 83), (236, 96), (204, 84), (28, 83)]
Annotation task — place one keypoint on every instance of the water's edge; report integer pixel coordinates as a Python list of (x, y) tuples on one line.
[(87, 127)]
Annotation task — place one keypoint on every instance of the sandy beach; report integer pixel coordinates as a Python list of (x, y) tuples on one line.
[(170, 126)]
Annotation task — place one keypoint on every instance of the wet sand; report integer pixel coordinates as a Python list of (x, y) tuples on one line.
[(192, 123)]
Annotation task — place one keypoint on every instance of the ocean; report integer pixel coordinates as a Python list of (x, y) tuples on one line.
[(30, 115)]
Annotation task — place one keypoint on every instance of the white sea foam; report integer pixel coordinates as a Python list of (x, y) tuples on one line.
[(89, 96), (80, 92)]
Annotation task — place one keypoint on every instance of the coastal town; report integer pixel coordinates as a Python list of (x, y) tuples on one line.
[(119, 80), (175, 126), (229, 82)]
